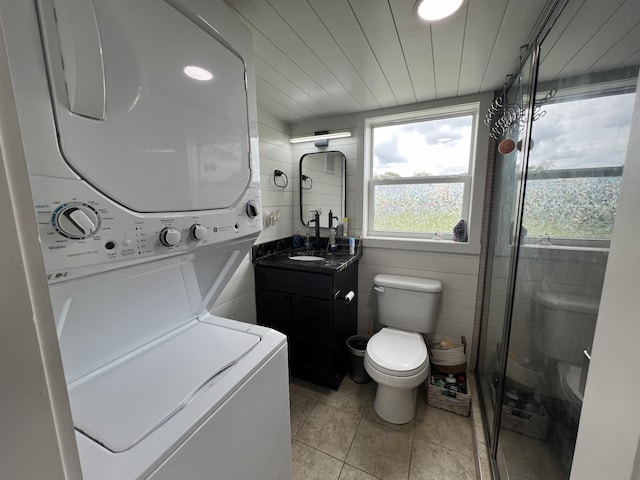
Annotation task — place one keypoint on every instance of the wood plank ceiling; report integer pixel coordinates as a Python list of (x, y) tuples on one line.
[(318, 58)]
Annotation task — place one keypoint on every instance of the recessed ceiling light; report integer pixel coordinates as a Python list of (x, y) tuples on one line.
[(198, 73), (432, 10)]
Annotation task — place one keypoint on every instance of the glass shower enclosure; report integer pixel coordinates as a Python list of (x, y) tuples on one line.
[(560, 147)]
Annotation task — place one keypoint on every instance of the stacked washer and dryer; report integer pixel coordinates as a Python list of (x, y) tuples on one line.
[(138, 121)]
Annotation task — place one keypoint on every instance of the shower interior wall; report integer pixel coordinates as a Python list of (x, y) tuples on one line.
[(550, 268)]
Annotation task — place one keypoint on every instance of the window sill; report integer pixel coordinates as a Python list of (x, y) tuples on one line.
[(532, 248), (422, 245)]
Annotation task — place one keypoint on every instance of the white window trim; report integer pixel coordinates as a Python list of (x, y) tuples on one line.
[(421, 242)]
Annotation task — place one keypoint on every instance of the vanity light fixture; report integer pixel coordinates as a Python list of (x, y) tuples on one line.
[(320, 137), (433, 10)]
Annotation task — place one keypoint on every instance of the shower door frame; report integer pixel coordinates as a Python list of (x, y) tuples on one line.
[(530, 56)]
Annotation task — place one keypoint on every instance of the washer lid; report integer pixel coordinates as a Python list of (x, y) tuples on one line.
[(397, 352), (120, 407), (408, 283)]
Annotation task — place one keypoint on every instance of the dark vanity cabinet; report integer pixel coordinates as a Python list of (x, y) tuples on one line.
[(312, 307)]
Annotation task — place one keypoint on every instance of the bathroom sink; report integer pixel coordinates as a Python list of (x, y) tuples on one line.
[(306, 258)]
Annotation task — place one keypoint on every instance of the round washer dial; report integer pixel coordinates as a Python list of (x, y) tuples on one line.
[(76, 220)]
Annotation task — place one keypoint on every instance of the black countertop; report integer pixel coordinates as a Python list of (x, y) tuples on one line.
[(332, 262)]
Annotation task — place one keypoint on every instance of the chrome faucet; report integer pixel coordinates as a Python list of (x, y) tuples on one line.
[(316, 221)]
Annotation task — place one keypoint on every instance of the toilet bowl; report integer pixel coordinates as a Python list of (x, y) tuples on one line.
[(396, 357), (398, 362)]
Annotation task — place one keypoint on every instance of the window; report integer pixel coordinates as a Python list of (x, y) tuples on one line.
[(575, 167), (420, 172)]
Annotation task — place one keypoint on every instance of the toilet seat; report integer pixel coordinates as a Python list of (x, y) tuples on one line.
[(397, 352)]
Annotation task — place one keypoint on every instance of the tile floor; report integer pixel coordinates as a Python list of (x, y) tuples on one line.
[(337, 435)]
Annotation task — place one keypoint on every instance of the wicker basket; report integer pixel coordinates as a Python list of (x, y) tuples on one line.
[(452, 360), (531, 424), (456, 402), (527, 423)]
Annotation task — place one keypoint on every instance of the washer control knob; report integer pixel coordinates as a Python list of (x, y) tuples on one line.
[(198, 232), (76, 221), (170, 237), (251, 209)]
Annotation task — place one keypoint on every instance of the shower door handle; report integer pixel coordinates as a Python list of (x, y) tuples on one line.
[(585, 369)]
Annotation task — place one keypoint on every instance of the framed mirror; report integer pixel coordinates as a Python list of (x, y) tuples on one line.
[(322, 186)]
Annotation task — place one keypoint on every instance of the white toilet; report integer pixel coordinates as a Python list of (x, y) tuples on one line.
[(563, 328), (396, 357)]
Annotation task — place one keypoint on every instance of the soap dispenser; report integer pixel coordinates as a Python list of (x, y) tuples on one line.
[(332, 239)]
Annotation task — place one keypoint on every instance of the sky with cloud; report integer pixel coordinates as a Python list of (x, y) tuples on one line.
[(437, 147), (592, 132)]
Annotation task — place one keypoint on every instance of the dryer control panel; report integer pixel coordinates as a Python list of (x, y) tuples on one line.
[(85, 229)]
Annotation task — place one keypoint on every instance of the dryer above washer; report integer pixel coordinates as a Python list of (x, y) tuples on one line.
[(153, 115)]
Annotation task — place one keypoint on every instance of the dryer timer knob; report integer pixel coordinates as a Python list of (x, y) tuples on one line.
[(170, 237), (198, 232), (251, 209), (76, 221)]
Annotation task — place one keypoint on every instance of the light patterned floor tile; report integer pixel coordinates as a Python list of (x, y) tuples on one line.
[(380, 451), (329, 430), (300, 406), (371, 415), (307, 463), (433, 462), (351, 397), (352, 473), (447, 429)]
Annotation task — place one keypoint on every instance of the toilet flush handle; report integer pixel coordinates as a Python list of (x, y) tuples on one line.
[(379, 289)]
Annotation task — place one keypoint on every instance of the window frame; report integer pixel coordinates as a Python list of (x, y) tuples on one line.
[(453, 111)]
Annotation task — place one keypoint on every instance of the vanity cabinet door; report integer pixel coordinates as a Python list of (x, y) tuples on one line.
[(313, 361), (311, 317), (274, 309)]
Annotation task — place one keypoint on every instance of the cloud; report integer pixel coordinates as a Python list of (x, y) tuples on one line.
[(437, 146), (387, 154), (590, 132)]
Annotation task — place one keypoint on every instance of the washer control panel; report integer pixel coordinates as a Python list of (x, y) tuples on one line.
[(87, 229)]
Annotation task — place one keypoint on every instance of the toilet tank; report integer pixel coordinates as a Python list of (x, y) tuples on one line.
[(407, 303), (564, 325)]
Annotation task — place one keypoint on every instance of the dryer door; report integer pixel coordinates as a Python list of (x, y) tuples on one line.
[(153, 114)]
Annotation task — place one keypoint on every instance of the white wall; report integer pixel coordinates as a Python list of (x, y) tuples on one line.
[(456, 267), (237, 301), (607, 443)]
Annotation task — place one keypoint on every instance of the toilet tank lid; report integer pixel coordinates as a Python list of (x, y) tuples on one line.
[(408, 283), (564, 301)]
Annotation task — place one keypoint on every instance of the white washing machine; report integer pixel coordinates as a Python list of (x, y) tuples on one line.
[(138, 121)]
